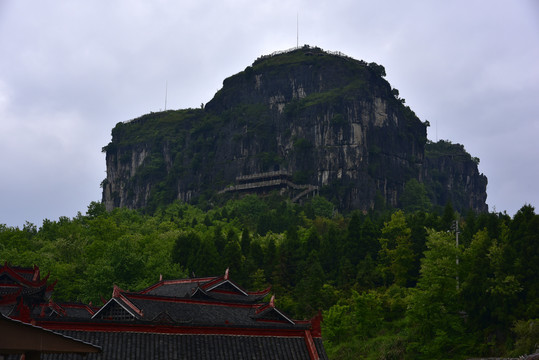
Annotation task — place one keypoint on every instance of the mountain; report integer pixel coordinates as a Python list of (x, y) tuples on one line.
[(302, 121)]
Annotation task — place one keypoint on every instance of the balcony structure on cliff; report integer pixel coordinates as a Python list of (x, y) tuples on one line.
[(268, 181)]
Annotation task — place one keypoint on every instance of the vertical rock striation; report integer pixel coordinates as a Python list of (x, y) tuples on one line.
[(324, 118)]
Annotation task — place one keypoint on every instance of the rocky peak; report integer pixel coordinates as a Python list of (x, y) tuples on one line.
[(327, 121)]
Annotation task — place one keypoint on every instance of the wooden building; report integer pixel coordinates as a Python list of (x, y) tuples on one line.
[(18, 339)]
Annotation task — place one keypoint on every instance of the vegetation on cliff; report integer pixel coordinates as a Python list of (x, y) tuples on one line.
[(329, 120), (388, 283)]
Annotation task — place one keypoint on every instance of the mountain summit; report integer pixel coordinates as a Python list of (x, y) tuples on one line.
[(302, 121)]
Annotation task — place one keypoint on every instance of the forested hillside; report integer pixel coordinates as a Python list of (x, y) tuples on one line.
[(388, 283)]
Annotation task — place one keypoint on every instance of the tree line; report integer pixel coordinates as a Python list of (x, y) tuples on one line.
[(390, 284)]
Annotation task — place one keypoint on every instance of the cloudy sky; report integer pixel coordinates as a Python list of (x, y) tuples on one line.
[(70, 70)]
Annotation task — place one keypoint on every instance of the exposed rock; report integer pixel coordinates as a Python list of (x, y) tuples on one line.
[(330, 121)]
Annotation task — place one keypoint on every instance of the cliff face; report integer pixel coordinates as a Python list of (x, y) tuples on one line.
[(324, 119), (451, 174)]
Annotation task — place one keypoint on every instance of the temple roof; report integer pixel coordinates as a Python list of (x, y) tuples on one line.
[(66, 309), (198, 318), (220, 288), (216, 301), (125, 306), (25, 283), (22, 276), (135, 346)]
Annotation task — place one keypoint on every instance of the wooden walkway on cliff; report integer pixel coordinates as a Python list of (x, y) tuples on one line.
[(262, 182)]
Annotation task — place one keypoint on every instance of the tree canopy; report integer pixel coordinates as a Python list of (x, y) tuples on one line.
[(388, 283)]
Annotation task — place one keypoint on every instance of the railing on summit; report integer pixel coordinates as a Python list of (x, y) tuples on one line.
[(305, 47)]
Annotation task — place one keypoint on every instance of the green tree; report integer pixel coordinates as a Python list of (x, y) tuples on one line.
[(414, 197), (270, 259), (435, 325), (527, 337), (245, 241), (353, 247), (310, 285), (312, 242), (322, 207), (346, 273), (477, 274), (524, 237), (338, 326), (289, 256), (96, 209), (330, 246), (396, 257), (218, 239), (207, 261), (448, 217), (185, 249), (256, 253), (258, 280), (233, 257), (126, 261), (504, 287), (156, 255), (369, 236)]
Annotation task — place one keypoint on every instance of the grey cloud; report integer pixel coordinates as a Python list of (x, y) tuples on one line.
[(70, 71)]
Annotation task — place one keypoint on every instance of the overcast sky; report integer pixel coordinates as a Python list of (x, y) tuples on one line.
[(70, 70)]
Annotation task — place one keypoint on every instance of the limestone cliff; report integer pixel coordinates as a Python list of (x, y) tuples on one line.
[(451, 175), (322, 119)]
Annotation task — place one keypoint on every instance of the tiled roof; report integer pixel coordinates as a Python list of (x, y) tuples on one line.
[(29, 273), (28, 277), (123, 345), (218, 288), (66, 309), (175, 288), (22, 286), (199, 318), (187, 311)]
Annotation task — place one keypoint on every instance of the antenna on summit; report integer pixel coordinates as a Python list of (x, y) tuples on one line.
[(166, 91), (297, 30)]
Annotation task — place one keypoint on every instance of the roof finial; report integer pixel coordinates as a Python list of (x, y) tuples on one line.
[(272, 301), (226, 274), (116, 291), (160, 277), (36, 273)]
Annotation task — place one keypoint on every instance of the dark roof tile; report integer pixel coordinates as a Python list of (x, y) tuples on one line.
[(121, 345)]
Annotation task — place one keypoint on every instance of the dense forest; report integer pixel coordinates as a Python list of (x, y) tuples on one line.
[(391, 284)]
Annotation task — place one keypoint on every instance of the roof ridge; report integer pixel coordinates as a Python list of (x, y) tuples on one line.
[(118, 293), (271, 307), (11, 272), (260, 292), (177, 281), (210, 301)]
